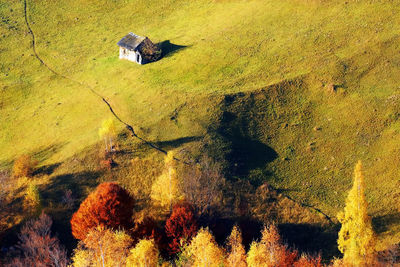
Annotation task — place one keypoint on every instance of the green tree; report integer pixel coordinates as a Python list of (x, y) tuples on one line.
[(356, 237)]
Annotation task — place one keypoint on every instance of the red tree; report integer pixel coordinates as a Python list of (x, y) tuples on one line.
[(109, 205), (181, 226)]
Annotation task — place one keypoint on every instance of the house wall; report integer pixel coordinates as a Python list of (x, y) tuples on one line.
[(133, 56)]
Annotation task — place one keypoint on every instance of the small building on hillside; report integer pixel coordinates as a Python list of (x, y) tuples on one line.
[(138, 49)]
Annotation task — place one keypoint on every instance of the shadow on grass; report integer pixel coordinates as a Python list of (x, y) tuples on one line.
[(237, 138), (177, 142), (168, 48), (40, 154), (79, 183), (47, 152), (240, 153), (47, 169), (312, 239), (382, 223), (248, 154), (221, 228)]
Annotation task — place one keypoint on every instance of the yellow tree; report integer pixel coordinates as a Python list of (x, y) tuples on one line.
[(103, 247), (356, 237), (237, 254), (204, 251), (32, 201), (107, 132), (145, 254), (270, 251), (166, 190)]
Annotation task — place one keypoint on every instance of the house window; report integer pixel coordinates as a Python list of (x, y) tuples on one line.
[(137, 58)]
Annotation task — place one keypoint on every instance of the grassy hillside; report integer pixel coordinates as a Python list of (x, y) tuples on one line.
[(294, 91)]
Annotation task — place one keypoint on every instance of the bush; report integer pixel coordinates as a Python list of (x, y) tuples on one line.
[(109, 205), (24, 166)]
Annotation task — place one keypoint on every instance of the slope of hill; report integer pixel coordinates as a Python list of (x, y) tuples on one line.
[(294, 91)]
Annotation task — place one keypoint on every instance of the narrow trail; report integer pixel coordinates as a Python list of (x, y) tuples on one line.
[(326, 216), (87, 86), (127, 126)]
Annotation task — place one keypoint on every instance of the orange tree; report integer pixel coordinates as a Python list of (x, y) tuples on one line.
[(109, 205)]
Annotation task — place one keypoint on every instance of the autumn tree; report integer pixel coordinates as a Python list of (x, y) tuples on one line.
[(202, 184), (32, 200), (103, 247), (356, 237), (108, 132), (145, 254), (24, 166), (237, 254), (270, 251), (204, 251), (180, 227), (308, 261), (166, 190), (109, 205), (38, 247)]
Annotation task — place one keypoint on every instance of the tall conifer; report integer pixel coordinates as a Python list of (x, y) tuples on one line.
[(356, 238)]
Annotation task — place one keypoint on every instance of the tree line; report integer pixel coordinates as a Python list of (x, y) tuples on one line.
[(110, 235)]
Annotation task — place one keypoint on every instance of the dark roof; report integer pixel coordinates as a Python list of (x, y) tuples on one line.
[(131, 41)]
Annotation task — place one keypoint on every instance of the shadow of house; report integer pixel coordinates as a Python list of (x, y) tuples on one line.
[(168, 48)]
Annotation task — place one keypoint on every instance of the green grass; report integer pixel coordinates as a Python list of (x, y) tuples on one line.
[(231, 47)]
